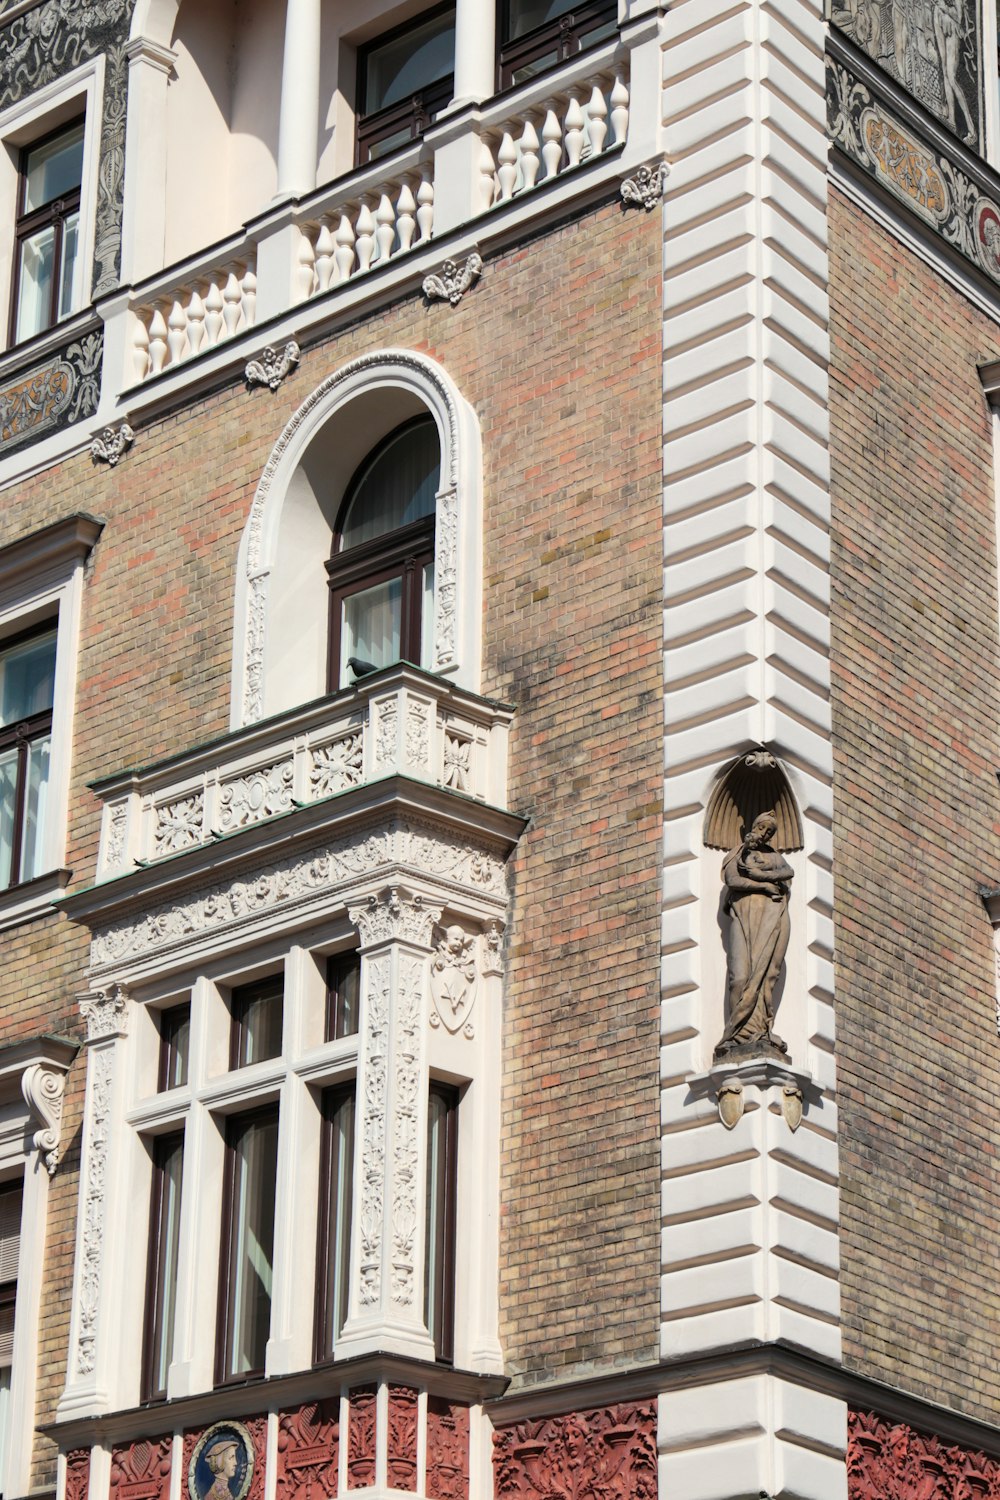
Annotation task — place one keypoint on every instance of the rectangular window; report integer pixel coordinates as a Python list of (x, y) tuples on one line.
[(439, 1250), (343, 995), (257, 1016), (27, 684), (535, 35), (175, 1041), (335, 1201), (47, 233), (10, 1243), (248, 1247), (161, 1272), (405, 79)]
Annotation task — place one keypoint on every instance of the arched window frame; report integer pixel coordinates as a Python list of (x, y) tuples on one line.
[(457, 532)]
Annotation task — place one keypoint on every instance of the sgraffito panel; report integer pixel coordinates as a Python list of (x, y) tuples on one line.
[(932, 47), (55, 392)]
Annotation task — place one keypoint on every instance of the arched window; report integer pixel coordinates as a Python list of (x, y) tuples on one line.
[(381, 570)]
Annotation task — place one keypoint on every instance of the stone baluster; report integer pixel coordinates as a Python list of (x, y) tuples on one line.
[(576, 134), (507, 167), (231, 297), (386, 1293), (325, 263), (213, 314), (366, 237), (344, 253), (597, 120), (158, 345), (552, 144), (248, 298), (305, 277), (177, 333), (425, 207), (619, 111), (140, 344), (487, 177), (530, 160), (385, 232), (195, 322), (406, 216)]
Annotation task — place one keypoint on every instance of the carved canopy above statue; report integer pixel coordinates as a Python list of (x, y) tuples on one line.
[(753, 784)]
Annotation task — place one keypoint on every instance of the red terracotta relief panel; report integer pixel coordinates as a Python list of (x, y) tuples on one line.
[(402, 1437), (447, 1450), (309, 1450), (77, 1474), (141, 1471), (607, 1454), (890, 1461), (361, 1443)]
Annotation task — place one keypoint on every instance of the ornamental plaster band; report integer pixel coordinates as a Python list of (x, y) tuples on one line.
[(749, 1149)]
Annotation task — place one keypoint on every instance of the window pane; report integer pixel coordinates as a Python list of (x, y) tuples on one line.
[(8, 795), (427, 619), (412, 62), (39, 755), (34, 287), (257, 1016), (371, 625), (254, 1147), (27, 678), (525, 15), (344, 1002), (4, 1417), (439, 1246), (168, 1163), (398, 486), (54, 169), (335, 1234), (175, 1040), (70, 246)]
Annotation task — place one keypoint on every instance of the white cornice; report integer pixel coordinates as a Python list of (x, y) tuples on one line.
[(64, 543)]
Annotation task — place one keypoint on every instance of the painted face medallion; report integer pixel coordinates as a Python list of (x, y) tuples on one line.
[(221, 1465)]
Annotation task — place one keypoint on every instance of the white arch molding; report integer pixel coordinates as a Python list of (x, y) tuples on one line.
[(154, 20), (289, 529)]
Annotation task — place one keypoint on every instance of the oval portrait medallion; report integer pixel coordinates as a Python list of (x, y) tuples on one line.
[(221, 1466)]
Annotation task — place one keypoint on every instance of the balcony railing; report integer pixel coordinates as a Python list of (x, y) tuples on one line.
[(211, 306), (400, 722)]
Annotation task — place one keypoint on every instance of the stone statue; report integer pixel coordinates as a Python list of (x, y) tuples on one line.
[(757, 882)]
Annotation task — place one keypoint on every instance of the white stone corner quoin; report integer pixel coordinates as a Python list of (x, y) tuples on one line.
[(281, 601)]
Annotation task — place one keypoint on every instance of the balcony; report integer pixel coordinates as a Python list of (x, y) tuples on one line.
[(400, 722)]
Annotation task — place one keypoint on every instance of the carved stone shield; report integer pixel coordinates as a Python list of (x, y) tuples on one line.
[(791, 1106), (731, 1104), (454, 977)]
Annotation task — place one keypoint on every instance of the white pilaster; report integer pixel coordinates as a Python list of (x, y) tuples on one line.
[(298, 129), (387, 1255), (145, 199)]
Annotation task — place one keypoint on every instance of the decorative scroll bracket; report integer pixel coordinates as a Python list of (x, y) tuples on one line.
[(43, 1086)]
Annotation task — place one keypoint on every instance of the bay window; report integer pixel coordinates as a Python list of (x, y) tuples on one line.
[(535, 35), (27, 682), (381, 573), (245, 1283), (405, 78), (47, 233)]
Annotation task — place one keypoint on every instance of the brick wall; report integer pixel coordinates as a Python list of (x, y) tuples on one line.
[(917, 821), (558, 352)]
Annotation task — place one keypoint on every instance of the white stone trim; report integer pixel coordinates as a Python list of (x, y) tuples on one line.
[(32, 117), (459, 530)]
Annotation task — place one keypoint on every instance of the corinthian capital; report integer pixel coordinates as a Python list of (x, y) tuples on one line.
[(106, 1012), (395, 916)]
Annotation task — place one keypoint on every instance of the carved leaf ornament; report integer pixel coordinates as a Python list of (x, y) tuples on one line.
[(891, 1461), (606, 1454)]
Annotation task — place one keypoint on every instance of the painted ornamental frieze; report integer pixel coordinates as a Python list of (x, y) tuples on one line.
[(53, 393)]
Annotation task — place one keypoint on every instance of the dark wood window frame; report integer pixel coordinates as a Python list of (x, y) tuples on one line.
[(241, 997), (22, 736), (563, 36), (338, 966), (441, 1296), (171, 1020), (326, 1317), (416, 112), (153, 1328), (226, 1311), (55, 213)]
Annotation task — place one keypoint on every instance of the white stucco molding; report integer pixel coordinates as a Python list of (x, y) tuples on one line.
[(388, 374)]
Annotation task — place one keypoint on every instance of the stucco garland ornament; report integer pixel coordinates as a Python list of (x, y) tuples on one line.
[(273, 366), (112, 444), (646, 187), (451, 283)]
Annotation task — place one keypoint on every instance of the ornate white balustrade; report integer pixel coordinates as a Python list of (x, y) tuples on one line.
[(552, 134), (401, 722), (366, 230), (209, 309)]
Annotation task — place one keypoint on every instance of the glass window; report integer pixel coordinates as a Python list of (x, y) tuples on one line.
[(336, 1190), (439, 1250), (27, 679), (175, 1042), (343, 992), (47, 232), (538, 34), (248, 1259), (257, 1017), (161, 1273), (404, 80), (382, 568)]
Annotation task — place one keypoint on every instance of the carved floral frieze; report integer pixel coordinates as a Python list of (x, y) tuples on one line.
[(141, 1471), (420, 847), (447, 1450), (308, 1451), (891, 1461), (338, 765), (97, 1132), (402, 1438), (604, 1454), (374, 1095), (263, 793), (406, 1111), (361, 1449)]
